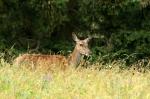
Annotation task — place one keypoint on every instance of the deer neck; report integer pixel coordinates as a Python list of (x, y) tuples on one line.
[(75, 57)]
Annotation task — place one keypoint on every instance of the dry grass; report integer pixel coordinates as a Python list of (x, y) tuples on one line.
[(73, 84)]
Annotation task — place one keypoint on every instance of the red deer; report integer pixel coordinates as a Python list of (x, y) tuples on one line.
[(33, 60)]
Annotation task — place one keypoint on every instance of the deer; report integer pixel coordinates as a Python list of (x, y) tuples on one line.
[(81, 49)]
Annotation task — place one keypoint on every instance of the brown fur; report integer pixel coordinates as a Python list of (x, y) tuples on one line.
[(49, 61), (46, 61)]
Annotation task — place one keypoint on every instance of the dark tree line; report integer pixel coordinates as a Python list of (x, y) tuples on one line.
[(121, 28)]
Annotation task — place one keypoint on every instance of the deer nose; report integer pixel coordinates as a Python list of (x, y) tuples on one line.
[(90, 52)]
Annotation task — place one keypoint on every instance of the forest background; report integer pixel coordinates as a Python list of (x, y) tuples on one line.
[(120, 28)]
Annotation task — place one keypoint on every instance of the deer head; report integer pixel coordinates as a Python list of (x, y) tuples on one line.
[(82, 45)]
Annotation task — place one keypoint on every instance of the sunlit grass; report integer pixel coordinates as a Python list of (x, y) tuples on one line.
[(73, 83)]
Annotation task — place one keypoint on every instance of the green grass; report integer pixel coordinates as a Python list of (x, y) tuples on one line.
[(81, 83)]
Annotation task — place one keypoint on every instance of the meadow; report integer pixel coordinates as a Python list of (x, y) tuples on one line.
[(80, 83)]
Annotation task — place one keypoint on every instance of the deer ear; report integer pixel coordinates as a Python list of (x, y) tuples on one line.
[(75, 38), (88, 39)]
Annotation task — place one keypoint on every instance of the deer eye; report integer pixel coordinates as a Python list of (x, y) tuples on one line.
[(81, 44)]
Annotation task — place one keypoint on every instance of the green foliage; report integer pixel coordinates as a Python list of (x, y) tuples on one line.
[(124, 26)]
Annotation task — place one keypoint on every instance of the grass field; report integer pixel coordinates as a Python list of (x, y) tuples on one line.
[(80, 83)]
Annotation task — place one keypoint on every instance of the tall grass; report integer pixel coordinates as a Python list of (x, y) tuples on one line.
[(81, 83)]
